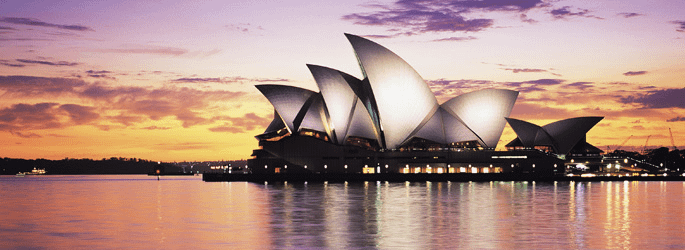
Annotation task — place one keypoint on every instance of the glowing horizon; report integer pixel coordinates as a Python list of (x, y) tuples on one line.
[(174, 81)]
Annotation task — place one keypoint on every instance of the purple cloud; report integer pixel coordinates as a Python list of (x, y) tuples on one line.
[(23, 116), (581, 85), (420, 16), (565, 12), (456, 39), (37, 86), (634, 73), (676, 119), (629, 14), (100, 74), (421, 21), (470, 5), (29, 116), (26, 135), (537, 82), (36, 22), (132, 104), (197, 80), (525, 19), (534, 85), (681, 25), (665, 98), (9, 64), (127, 120), (105, 93), (98, 71), (60, 63), (80, 114), (24, 39)]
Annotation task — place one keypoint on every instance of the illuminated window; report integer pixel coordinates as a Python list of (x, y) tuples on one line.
[(462, 170), (474, 170)]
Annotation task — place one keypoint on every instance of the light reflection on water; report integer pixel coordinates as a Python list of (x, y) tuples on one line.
[(184, 212)]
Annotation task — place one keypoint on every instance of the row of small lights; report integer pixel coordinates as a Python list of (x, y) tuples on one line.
[(386, 166)]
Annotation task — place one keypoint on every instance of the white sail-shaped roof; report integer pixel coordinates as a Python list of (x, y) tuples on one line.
[(561, 135), (433, 129), (567, 133), (543, 138), (455, 130), (338, 96), (287, 100), (276, 123), (315, 118), (483, 112), (403, 99), (525, 131), (361, 124)]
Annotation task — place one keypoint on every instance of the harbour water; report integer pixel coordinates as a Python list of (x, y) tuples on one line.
[(183, 212)]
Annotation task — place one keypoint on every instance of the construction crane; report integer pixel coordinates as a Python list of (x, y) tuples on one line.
[(644, 150), (672, 141), (623, 143)]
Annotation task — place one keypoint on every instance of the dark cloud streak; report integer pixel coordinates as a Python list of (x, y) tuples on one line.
[(634, 73), (676, 119), (36, 22), (421, 16), (664, 98), (681, 25), (629, 14), (9, 64), (60, 63), (564, 12)]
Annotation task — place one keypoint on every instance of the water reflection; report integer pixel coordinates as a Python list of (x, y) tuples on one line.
[(470, 215), (140, 212)]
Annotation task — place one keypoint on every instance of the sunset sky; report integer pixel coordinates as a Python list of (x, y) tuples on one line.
[(174, 80)]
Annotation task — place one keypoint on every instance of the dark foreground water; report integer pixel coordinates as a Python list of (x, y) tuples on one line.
[(114, 212)]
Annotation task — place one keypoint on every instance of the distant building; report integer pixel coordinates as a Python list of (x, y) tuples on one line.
[(390, 121)]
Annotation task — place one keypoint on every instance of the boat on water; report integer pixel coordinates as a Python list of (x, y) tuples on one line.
[(35, 171)]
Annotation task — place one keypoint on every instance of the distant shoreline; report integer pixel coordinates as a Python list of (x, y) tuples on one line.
[(395, 177)]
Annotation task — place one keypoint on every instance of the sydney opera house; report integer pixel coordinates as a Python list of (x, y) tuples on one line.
[(391, 122)]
